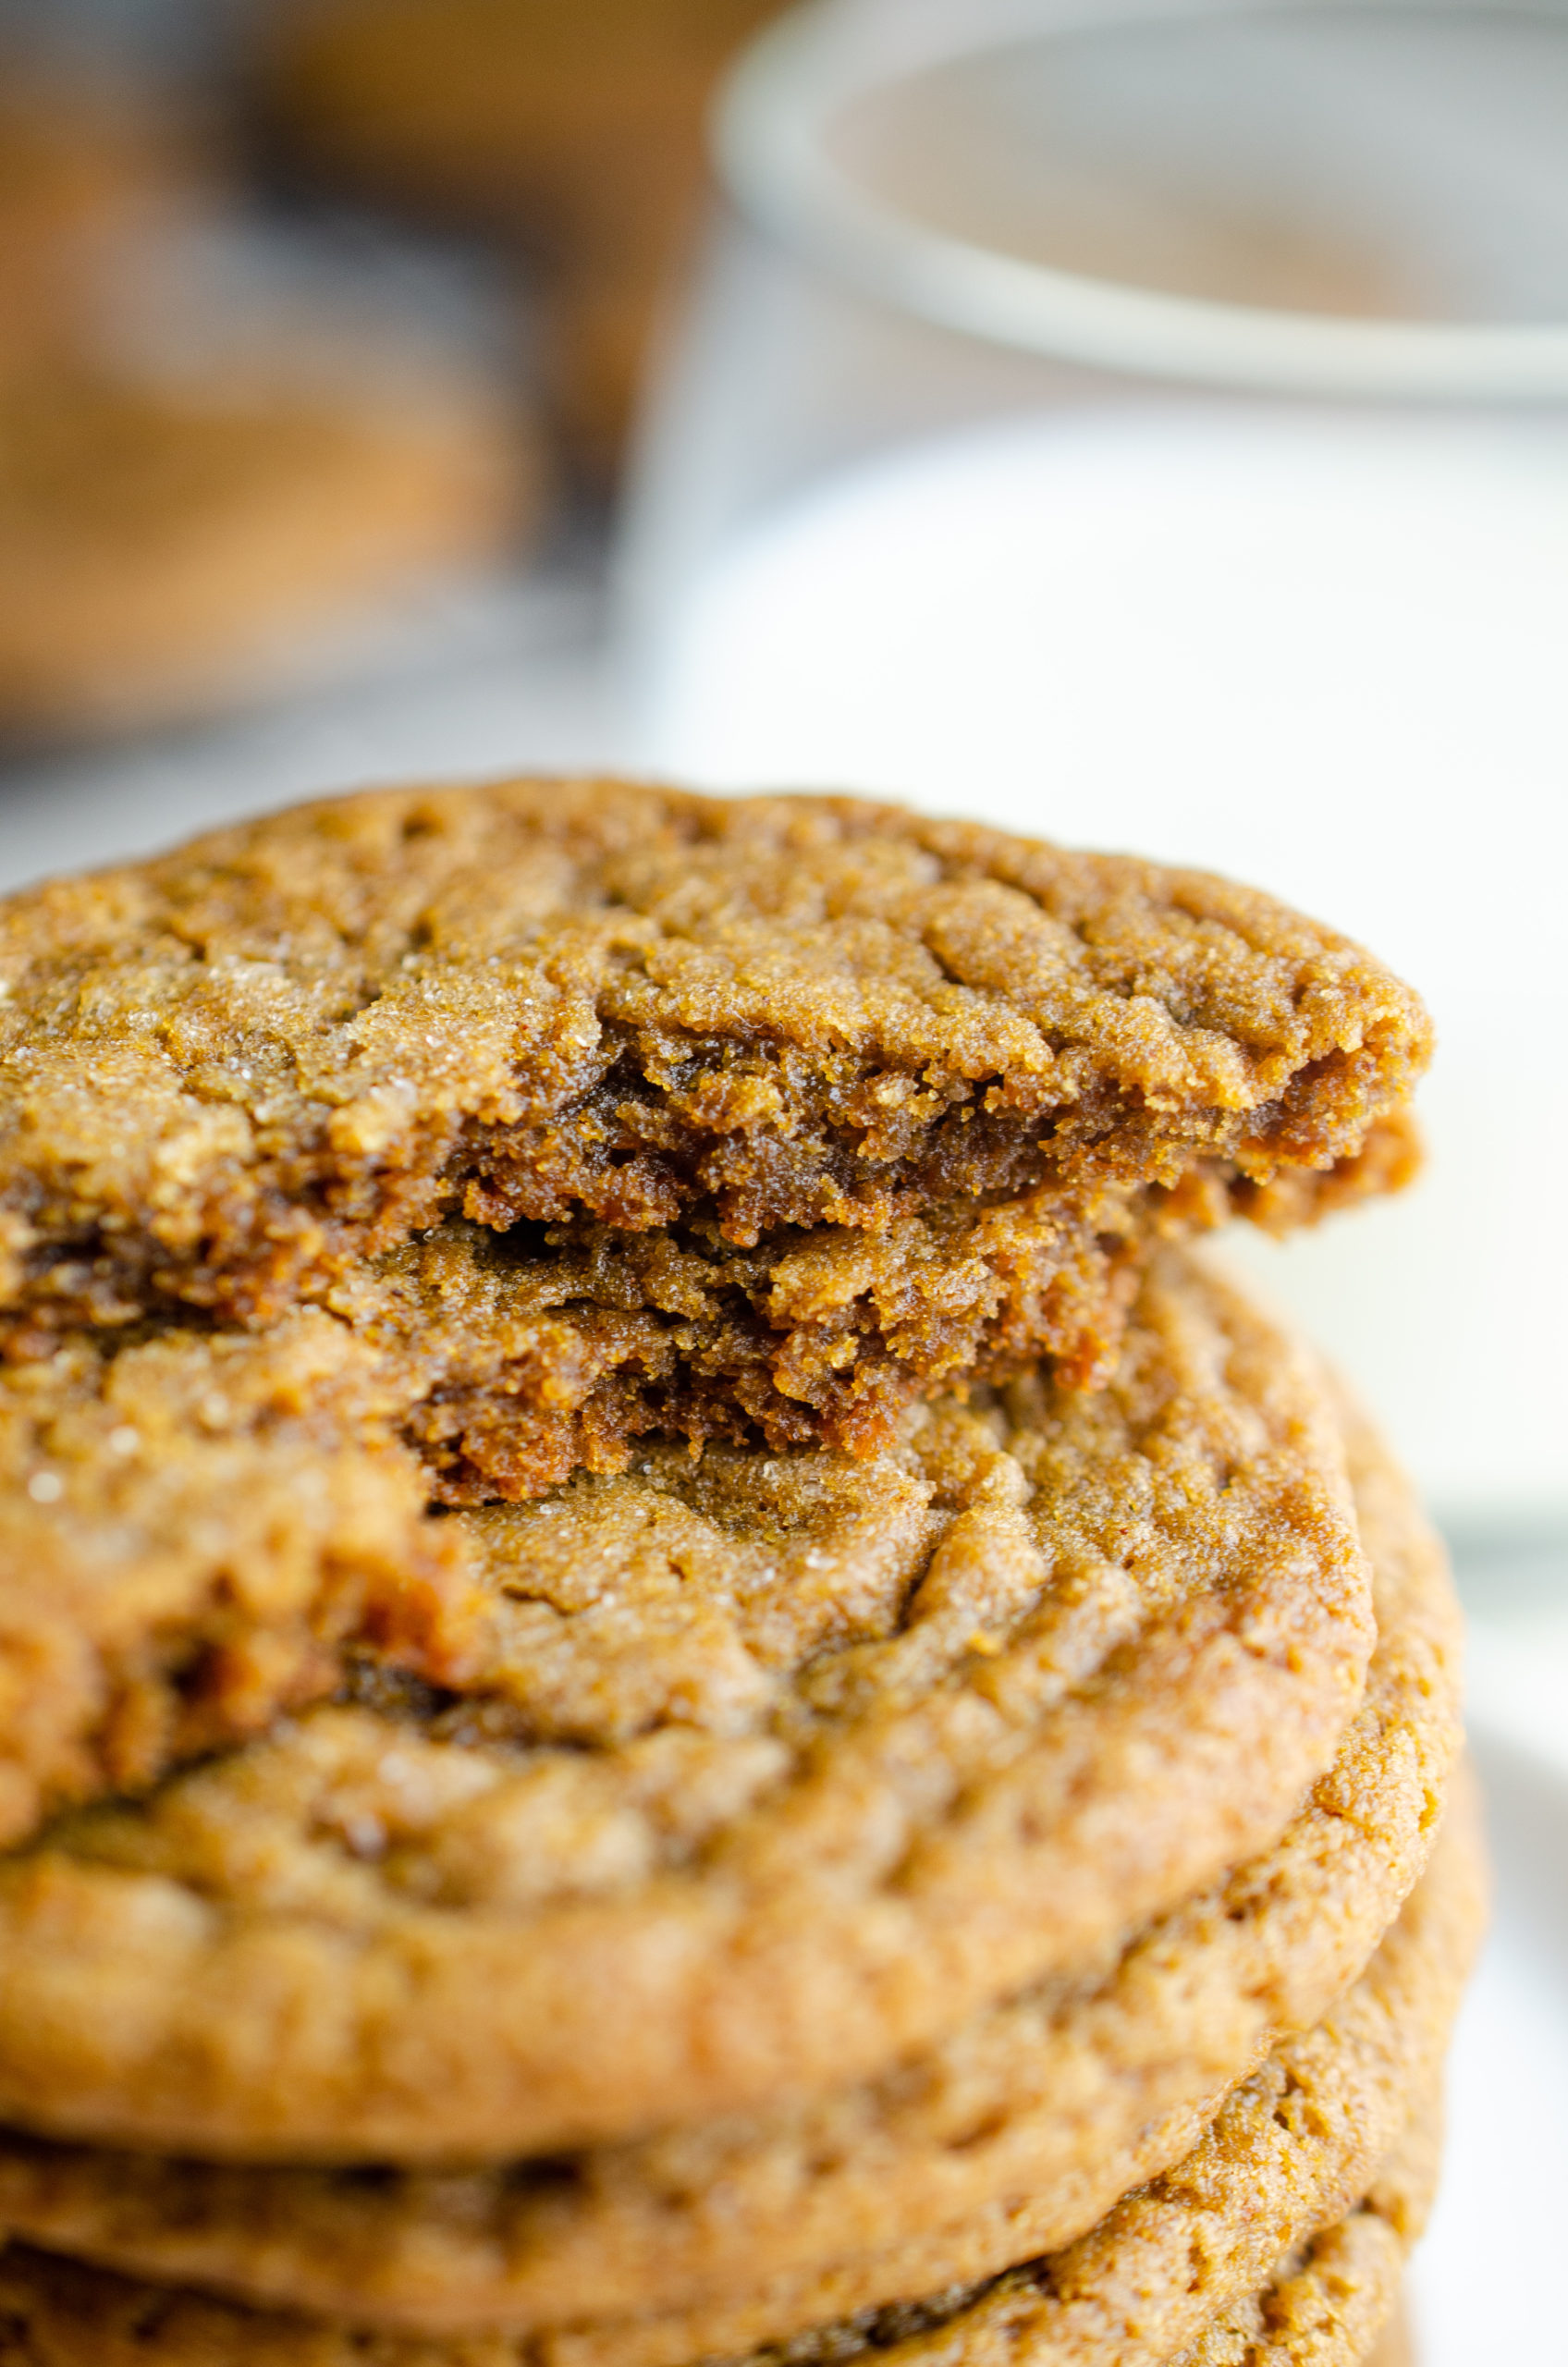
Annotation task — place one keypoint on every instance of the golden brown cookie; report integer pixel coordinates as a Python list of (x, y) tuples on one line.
[(1071, 2093), (164, 546), (1289, 2151), (879, 1097), (1288, 2155), (777, 1769), (195, 1532), (1333, 2303)]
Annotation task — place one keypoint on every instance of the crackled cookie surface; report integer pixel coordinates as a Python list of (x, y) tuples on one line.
[(772, 1075), (769, 1770), (1071, 2093)]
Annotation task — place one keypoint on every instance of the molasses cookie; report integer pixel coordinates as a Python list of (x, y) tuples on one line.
[(1243, 2243), (1335, 2301), (814, 1104), (1071, 2093), (1289, 2151), (770, 1772), (195, 1532)]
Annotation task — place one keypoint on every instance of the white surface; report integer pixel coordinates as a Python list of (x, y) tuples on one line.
[(1487, 2287), (1321, 653)]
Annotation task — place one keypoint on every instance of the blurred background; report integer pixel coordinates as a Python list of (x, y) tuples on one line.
[(1141, 424)]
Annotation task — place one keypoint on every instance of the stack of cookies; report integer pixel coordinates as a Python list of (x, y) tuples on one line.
[(677, 1684)]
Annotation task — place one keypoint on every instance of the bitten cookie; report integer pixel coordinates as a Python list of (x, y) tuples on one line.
[(792, 1109)]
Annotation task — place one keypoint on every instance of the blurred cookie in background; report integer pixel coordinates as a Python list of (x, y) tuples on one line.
[(168, 547), (230, 452), (596, 327), (86, 165), (576, 132)]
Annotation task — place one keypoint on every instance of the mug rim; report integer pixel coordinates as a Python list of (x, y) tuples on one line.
[(781, 175)]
